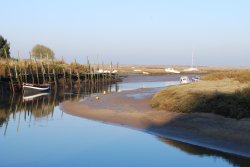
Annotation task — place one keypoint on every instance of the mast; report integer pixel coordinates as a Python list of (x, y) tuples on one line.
[(193, 58)]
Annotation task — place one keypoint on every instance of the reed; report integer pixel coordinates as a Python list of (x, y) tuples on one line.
[(15, 72)]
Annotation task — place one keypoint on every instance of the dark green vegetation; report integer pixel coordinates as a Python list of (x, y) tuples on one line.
[(4, 48), (226, 94), (42, 52)]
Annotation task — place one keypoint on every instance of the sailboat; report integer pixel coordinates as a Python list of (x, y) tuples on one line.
[(192, 68)]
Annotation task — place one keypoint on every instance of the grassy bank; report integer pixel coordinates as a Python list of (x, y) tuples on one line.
[(33, 65), (223, 93)]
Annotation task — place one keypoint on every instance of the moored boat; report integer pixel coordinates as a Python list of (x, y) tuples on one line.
[(36, 87), (184, 80), (172, 70)]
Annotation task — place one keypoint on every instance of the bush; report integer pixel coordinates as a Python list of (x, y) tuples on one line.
[(4, 48)]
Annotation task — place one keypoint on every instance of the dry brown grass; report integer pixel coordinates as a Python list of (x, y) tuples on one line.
[(21, 65), (160, 69), (225, 93), (242, 76)]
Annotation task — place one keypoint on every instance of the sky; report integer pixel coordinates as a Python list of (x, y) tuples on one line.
[(157, 32)]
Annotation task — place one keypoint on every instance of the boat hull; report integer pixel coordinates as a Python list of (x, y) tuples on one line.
[(35, 88)]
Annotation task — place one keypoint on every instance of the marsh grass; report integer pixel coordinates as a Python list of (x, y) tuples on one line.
[(227, 95), (32, 65), (242, 76)]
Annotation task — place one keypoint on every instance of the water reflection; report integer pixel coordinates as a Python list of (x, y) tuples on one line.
[(235, 160), (23, 108), (40, 105)]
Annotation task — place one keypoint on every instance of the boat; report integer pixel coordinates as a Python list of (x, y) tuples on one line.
[(191, 69), (145, 73), (196, 79), (36, 87), (184, 79), (172, 70)]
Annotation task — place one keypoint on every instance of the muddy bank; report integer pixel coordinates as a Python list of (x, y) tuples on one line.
[(132, 109)]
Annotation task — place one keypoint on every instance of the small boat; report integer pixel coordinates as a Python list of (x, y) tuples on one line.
[(191, 69), (36, 87), (145, 73), (172, 70), (184, 80), (196, 79)]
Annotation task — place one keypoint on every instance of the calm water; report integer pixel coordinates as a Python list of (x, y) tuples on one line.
[(37, 133)]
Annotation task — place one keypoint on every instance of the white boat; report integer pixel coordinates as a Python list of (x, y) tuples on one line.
[(184, 79), (35, 87), (137, 70), (191, 69), (172, 70), (101, 71), (145, 73)]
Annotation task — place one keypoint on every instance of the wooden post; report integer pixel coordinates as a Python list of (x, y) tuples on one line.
[(117, 75), (70, 78), (78, 78), (37, 73), (17, 78), (10, 74), (21, 73), (103, 74), (55, 79), (111, 69), (25, 73), (31, 70), (49, 72), (64, 78), (43, 71)]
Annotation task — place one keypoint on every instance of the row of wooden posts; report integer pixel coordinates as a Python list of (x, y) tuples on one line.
[(56, 77), (65, 78)]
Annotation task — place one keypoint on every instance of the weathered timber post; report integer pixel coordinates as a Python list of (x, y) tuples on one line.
[(10, 74), (55, 79)]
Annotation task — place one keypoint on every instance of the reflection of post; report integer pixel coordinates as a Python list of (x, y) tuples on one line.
[(31, 111), (64, 78), (43, 71), (53, 104), (18, 124), (8, 114), (70, 78), (55, 79), (20, 106), (78, 92), (116, 87)]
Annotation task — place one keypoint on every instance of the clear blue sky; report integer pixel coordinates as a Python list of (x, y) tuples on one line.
[(132, 31)]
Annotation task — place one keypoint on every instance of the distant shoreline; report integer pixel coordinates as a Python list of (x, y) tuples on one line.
[(207, 130)]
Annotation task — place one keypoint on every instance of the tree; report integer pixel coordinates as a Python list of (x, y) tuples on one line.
[(4, 48), (42, 52)]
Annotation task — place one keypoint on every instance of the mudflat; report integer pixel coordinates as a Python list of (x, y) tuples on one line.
[(132, 109)]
